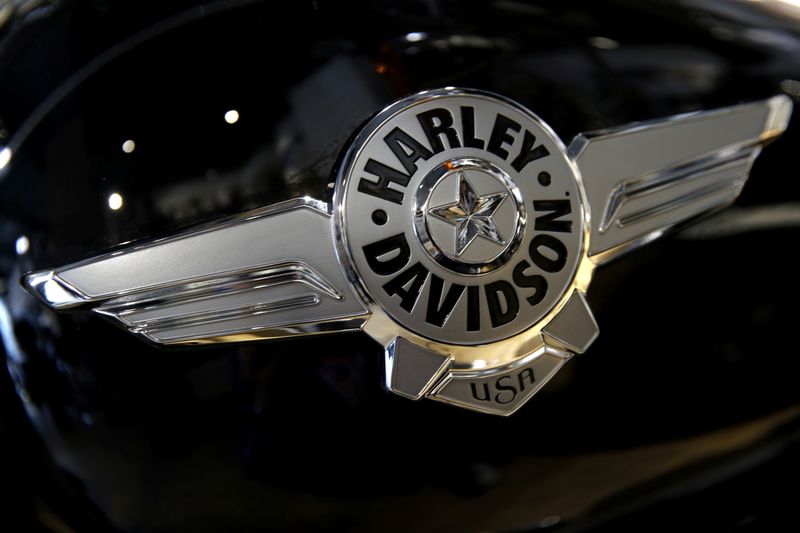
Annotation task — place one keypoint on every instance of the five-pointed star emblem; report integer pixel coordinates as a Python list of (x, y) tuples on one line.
[(471, 214)]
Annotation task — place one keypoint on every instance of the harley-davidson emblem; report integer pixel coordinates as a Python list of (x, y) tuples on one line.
[(462, 236), (462, 218)]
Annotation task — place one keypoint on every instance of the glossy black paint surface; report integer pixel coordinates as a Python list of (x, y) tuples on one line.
[(679, 400)]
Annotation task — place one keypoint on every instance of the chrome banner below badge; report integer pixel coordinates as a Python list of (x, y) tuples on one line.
[(462, 236)]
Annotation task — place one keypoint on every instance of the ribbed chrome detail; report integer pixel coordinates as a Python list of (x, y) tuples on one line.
[(720, 177), (219, 302)]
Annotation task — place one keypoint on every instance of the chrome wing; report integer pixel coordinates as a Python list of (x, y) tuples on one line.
[(267, 273), (642, 179)]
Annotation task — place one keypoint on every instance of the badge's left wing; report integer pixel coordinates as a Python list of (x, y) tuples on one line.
[(268, 273)]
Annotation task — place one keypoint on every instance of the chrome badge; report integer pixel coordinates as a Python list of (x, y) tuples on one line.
[(462, 236)]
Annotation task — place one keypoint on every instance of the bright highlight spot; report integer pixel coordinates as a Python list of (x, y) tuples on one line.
[(603, 43), (115, 201), (128, 146), (232, 116), (415, 36), (55, 293), (5, 157), (22, 245)]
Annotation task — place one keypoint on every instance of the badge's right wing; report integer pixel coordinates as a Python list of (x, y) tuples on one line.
[(269, 273), (644, 178)]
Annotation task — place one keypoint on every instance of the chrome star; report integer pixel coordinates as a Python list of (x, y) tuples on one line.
[(471, 214)]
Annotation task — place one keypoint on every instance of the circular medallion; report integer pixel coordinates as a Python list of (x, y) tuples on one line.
[(459, 216)]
